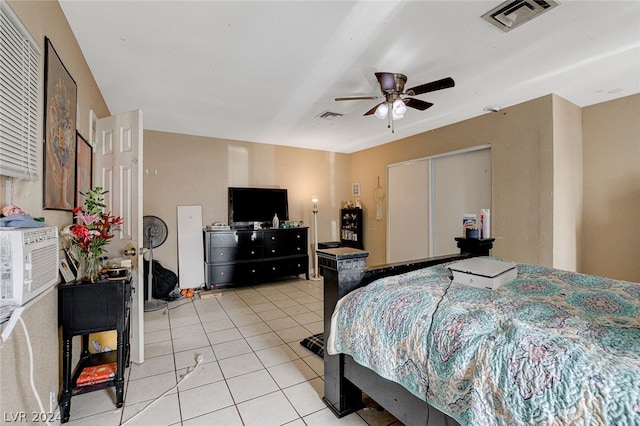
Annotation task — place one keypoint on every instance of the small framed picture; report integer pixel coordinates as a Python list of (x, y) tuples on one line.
[(355, 189), (84, 168), (67, 270)]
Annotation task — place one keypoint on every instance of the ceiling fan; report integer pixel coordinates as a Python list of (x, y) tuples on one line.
[(394, 105)]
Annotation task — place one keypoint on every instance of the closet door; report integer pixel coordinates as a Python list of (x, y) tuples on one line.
[(460, 183), (408, 218), (428, 198)]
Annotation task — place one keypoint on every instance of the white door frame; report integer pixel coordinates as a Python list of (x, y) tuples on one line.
[(118, 169)]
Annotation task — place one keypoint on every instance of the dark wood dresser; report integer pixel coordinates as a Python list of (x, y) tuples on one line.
[(245, 256)]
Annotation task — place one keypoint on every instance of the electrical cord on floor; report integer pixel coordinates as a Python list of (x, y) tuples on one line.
[(186, 302), (33, 384), (199, 359), (433, 314)]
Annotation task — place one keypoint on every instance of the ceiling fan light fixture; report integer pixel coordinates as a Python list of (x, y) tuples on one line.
[(399, 108), (394, 105), (382, 110)]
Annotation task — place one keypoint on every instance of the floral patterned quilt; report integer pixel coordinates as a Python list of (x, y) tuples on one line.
[(550, 348)]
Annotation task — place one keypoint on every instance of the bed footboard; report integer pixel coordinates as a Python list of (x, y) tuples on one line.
[(344, 270), (405, 406)]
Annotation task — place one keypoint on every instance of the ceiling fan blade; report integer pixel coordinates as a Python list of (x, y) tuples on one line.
[(357, 98), (445, 83), (387, 81), (372, 110), (417, 103)]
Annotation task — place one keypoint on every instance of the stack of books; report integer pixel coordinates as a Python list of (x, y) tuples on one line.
[(97, 374)]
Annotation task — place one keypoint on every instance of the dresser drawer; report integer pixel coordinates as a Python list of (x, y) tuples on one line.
[(233, 245), (234, 238), (286, 267), (285, 236), (289, 242), (230, 254), (279, 250), (233, 273), (298, 265)]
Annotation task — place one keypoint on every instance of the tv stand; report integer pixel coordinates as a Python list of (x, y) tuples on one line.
[(250, 256)]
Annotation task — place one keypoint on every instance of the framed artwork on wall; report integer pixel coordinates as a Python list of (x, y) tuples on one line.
[(355, 189), (60, 104), (84, 168)]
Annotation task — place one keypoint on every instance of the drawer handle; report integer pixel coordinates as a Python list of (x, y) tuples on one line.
[(221, 273), (273, 237), (221, 253), (253, 252), (274, 268), (273, 250)]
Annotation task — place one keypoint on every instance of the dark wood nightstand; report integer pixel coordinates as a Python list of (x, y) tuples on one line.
[(475, 246), (84, 308)]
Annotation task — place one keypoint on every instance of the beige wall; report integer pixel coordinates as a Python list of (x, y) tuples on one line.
[(192, 170), (611, 151), (521, 139), (567, 184), (527, 173), (41, 317)]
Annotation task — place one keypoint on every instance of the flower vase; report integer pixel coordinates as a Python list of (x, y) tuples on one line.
[(89, 266)]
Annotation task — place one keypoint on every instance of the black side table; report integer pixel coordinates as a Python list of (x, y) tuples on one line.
[(475, 246), (84, 308)]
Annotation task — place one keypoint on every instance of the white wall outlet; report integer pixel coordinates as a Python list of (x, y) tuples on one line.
[(53, 401)]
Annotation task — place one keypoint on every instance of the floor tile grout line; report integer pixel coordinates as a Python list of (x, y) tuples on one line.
[(173, 353), (235, 403), (182, 420), (264, 367), (298, 356), (280, 388)]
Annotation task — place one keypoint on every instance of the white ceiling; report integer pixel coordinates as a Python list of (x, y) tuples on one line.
[(262, 71)]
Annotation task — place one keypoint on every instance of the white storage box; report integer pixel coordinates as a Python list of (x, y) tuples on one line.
[(483, 273)]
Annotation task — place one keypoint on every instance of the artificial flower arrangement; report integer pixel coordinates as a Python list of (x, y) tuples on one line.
[(91, 232)]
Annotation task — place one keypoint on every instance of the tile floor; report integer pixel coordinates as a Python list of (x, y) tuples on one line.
[(255, 372)]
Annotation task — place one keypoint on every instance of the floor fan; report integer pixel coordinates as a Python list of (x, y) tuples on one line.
[(155, 234)]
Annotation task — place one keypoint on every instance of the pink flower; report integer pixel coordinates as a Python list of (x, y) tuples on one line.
[(94, 227), (87, 218)]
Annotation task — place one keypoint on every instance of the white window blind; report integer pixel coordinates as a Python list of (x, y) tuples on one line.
[(19, 65)]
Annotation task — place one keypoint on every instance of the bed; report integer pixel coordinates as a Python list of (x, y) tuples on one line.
[(551, 347)]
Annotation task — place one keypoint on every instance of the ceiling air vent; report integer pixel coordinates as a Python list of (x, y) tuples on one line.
[(512, 14), (328, 115)]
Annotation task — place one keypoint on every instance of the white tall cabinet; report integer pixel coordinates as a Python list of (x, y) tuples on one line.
[(190, 246)]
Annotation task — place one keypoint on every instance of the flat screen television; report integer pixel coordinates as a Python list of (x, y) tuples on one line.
[(248, 205)]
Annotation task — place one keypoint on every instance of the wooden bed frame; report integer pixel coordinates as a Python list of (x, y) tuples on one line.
[(344, 270)]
